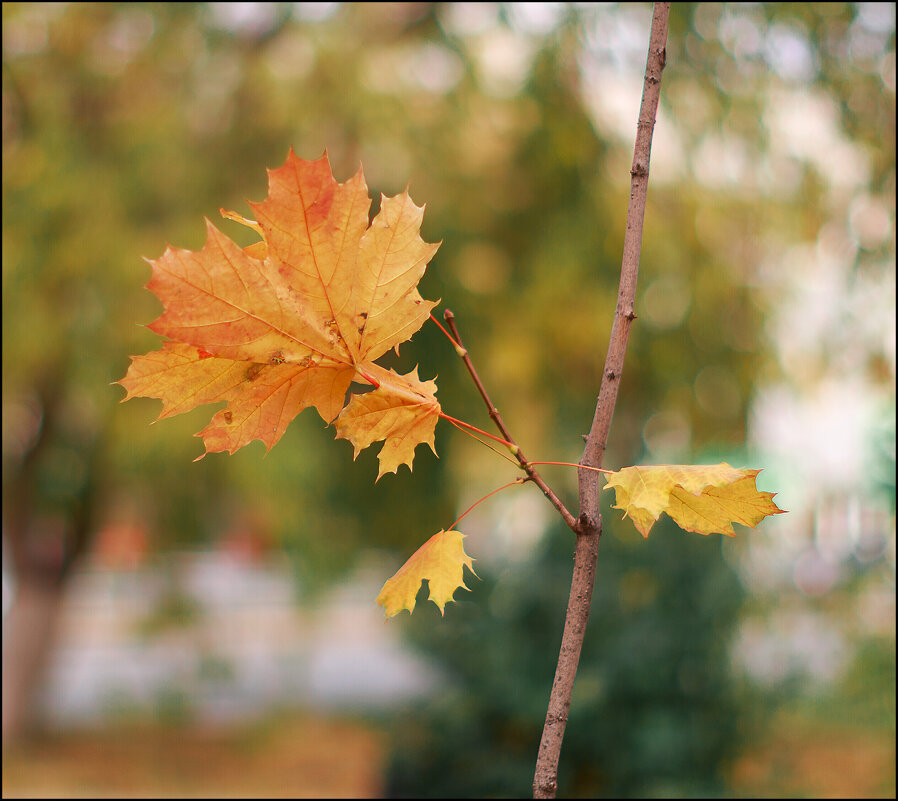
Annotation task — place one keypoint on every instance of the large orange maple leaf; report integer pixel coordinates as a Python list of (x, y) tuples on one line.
[(291, 321)]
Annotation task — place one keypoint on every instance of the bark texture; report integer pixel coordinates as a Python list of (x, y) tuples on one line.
[(545, 780)]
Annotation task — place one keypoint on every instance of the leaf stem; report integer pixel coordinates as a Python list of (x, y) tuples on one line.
[(370, 378), (579, 466), (537, 479), (519, 480), (461, 423), (482, 441)]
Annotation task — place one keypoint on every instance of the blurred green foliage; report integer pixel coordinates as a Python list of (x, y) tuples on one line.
[(125, 124)]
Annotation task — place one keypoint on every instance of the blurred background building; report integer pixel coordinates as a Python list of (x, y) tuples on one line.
[(145, 593)]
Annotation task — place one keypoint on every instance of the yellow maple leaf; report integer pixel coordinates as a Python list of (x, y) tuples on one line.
[(706, 499), (291, 321), (441, 560), (402, 411)]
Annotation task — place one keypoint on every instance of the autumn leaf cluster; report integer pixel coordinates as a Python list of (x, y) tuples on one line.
[(292, 320)]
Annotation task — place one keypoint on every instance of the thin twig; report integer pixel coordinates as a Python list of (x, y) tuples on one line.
[(483, 442), (545, 779), (526, 466), (458, 348)]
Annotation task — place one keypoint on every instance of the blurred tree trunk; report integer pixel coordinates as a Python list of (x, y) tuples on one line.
[(42, 544), (28, 636)]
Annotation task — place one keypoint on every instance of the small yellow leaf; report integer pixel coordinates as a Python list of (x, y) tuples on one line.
[(441, 560), (706, 499), (403, 411)]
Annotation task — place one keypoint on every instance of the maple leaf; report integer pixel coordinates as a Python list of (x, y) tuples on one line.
[(401, 410), (441, 560), (291, 321), (706, 499)]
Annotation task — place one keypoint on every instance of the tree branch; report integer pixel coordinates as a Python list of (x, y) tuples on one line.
[(528, 468), (545, 780)]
